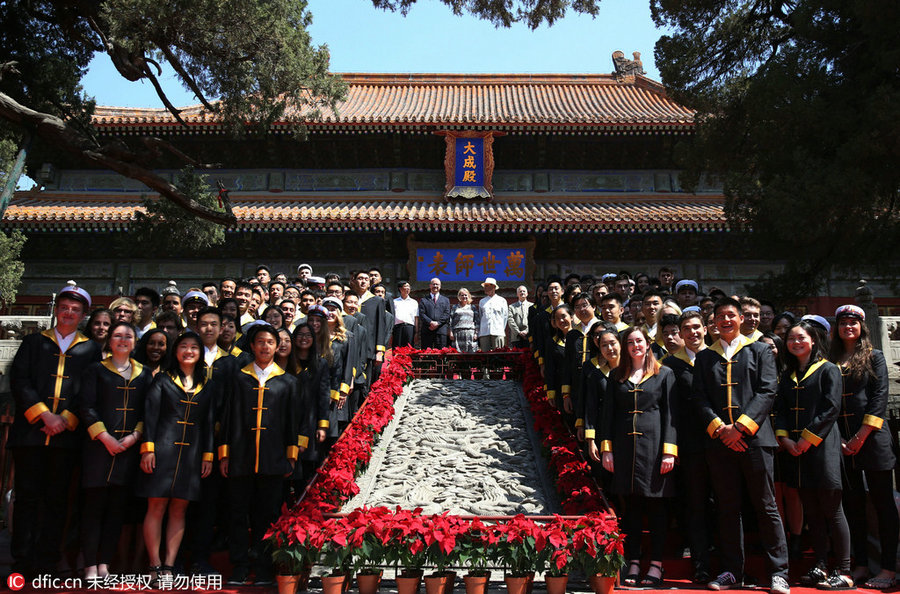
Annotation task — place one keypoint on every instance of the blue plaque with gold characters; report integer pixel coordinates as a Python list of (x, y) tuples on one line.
[(469, 163)]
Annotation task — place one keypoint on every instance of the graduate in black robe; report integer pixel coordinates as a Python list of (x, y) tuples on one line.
[(111, 406), (178, 447), (45, 378), (866, 444), (693, 477), (807, 407), (639, 447), (733, 390), (313, 374), (259, 448)]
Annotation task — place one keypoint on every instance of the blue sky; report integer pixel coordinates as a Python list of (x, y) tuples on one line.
[(431, 39)]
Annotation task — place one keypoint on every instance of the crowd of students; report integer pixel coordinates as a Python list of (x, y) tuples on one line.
[(193, 416), (716, 401)]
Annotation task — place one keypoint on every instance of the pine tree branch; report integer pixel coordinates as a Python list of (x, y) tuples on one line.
[(56, 132)]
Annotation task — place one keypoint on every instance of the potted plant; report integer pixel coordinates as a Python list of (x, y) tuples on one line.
[(517, 551), (599, 550), (406, 549), (475, 551), (337, 556), (553, 545), (440, 535), (296, 540), (368, 537)]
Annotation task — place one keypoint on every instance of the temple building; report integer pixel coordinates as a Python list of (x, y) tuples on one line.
[(460, 176)]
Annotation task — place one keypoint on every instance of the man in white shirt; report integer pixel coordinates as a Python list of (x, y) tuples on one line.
[(406, 316), (494, 316)]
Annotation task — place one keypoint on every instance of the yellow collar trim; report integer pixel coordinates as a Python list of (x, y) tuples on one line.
[(717, 346), (249, 370), (51, 334), (179, 383), (136, 368), (812, 369)]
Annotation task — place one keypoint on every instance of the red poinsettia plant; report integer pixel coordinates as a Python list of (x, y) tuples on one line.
[(440, 535), (598, 545), (516, 549), (553, 544), (406, 548), (477, 547)]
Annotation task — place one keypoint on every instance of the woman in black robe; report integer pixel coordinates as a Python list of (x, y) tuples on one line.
[(343, 364), (807, 405), (639, 447), (555, 357), (866, 443), (315, 396), (605, 356), (111, 402), (178, 447)]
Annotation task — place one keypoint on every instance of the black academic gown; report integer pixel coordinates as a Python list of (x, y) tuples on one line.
[(44, 379), (638, 427), (373, 308), (741, 389), (807, 407), (108, 402), (315, 399), (864, 402), (691, 436), (595, 375), (218, 377), (577, 351), (341, 380), (261, 424), (554, 364), (178, 427)]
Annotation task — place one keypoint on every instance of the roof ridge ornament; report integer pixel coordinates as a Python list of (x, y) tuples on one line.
[(624, 67)]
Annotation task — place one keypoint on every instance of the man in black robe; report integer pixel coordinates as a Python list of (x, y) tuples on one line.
[(45, 377)]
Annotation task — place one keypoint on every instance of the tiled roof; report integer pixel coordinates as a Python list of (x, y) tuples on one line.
[(535, 212), (466, 100)]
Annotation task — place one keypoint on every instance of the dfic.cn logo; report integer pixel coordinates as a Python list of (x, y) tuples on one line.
[(15, 581)]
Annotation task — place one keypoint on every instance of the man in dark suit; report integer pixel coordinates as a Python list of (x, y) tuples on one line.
[(434, 317)]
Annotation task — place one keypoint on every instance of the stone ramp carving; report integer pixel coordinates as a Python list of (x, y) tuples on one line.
[(461, 446)]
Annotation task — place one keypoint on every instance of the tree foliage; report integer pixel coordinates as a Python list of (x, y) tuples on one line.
[(164, 225), (11, 268), (503, 13), (250, 62), (799, 105)]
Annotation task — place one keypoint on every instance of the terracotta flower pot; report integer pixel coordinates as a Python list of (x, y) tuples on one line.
[(601, 584), (408, 581), (476, 584), (288, 584), (556, 584), (440, 583), (519, 585), (368, 583), (335, 584)]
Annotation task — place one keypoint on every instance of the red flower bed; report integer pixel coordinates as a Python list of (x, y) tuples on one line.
[(407, 537)]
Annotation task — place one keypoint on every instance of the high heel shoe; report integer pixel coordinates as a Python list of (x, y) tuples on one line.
[(654, 582), (634, 574)]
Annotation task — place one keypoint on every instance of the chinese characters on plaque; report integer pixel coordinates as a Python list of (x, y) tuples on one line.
[(471, 262), (469, 164)]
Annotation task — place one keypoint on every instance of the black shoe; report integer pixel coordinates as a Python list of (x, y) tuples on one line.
[(239, 576), (816, 575), (724, 581), (837, 581), (654, 583)]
